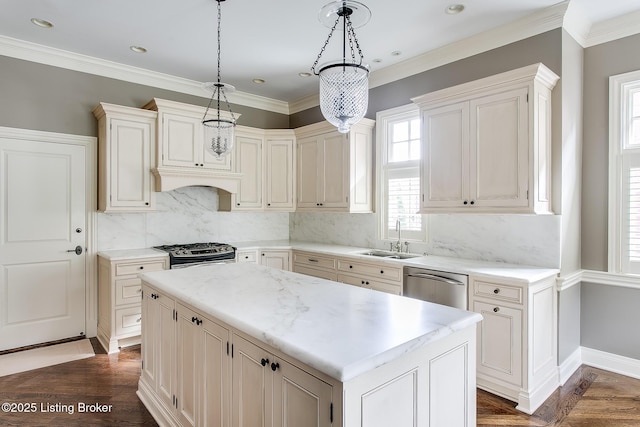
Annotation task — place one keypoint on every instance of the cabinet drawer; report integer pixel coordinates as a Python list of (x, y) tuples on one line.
[(323, 274), (314, 260), (139, 267), (128, 321), (128, 291), (365, 282), (247, 256), (498, 291), (378, 271)]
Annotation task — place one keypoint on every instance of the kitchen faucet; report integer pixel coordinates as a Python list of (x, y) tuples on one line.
[(397, 247)]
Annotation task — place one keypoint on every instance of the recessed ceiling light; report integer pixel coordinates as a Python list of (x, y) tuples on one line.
[(138, 49), (41, 23), (454, 9), (377, 60), (258, 81), (396, 53), (304, 74)]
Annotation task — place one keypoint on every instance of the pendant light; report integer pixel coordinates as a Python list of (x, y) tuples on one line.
[(344, 85), (219, 132)]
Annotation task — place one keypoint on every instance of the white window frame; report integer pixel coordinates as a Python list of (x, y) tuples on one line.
[(383, 121), (621, 157)]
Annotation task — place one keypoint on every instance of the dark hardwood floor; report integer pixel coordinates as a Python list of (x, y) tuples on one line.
[(592, 397)]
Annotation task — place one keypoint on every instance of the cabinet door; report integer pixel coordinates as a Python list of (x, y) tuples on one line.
[(181, 140), (499, 150), (249, 163), (499, 342), (188, 364), (445, 164), (252, 385), (307, 181), (214, 375), (299, 398), (130, 163), (165, 349), (279, 174), (150, 315), (276, 259), (334, 171)]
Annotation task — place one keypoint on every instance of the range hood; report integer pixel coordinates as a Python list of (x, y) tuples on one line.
[(168, 178)]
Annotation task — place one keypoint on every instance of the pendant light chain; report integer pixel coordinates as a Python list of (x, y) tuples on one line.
[(335, 24), (218, 87)]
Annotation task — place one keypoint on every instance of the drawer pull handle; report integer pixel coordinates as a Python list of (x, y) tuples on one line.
[(139, 319), (496, 291), (496, 309), (139, 290), (313, 260)]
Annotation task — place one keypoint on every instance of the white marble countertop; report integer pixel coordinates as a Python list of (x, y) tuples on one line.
[(124, 254), (340, 330), (529, 274)]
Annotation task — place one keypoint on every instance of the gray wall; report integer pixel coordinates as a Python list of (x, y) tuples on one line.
[(600, 62), (545, 48), (42, 97), (610, 315)]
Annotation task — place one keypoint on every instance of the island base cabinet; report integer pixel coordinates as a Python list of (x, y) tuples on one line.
[(440, 389), (269, 391)]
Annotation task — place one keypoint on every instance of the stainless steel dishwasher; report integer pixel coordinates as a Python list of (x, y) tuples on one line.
[(436, 286)]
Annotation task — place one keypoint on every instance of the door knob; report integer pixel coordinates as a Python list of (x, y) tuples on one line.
[(77, 250)]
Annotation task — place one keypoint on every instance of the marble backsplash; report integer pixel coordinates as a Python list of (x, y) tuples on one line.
[(187, 215), (190, 214), (519, 239)]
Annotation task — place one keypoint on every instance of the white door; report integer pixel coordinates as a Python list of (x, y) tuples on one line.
[(42, 221)]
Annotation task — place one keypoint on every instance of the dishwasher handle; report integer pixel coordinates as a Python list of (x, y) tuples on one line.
[(434, 277)]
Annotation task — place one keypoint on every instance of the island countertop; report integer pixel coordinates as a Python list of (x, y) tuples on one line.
[(342, 331)]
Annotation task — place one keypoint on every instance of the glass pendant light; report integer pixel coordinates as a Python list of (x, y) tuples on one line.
[(219, 132), (344, 84)]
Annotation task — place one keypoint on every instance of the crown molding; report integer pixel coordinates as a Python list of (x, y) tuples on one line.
[(613, 29), (305, 103), (33, 52)]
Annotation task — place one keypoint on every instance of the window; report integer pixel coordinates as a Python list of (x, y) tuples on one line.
[(399, 173), (624, 174)]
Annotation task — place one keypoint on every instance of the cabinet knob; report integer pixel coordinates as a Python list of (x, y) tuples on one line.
[(275, 366), (366, 283), (362, 282), (146, 203), (496, 291), (465, 202), (268, 204), (139, 320), (473, 202), (142, 267), (246, 257), (237, 204), (264, 362), (351, 266), (381, 271), (496, 309)]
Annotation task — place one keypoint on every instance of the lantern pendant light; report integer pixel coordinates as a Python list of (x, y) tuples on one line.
[(219, 132), (344, 85)]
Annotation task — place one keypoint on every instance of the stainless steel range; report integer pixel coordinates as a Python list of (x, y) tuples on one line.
[(188, 254)]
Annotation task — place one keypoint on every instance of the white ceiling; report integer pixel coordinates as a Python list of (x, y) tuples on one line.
[(272, 40)]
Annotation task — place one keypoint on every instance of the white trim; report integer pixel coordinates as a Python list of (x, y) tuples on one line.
[(86, 64), (617, 111), (570, 366), (611, 362), (569, 280), (614, 29), (90, 143), (604, 278)]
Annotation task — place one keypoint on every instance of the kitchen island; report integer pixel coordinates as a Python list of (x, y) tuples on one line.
[(244, 344)]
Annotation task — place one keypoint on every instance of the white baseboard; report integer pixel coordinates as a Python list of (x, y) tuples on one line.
[(611, 362), (569, 366)]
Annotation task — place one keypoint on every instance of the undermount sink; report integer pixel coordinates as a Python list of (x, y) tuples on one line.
[(388, 254)]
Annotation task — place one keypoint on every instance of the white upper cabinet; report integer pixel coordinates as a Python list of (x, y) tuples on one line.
[(334, 170), (126, 156), (487, 144), (265, 160), (181, 157)]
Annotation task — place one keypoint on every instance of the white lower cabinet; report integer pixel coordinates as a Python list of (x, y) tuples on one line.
[(280, 259), (315, 265), (517, 346), (270, 391)]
